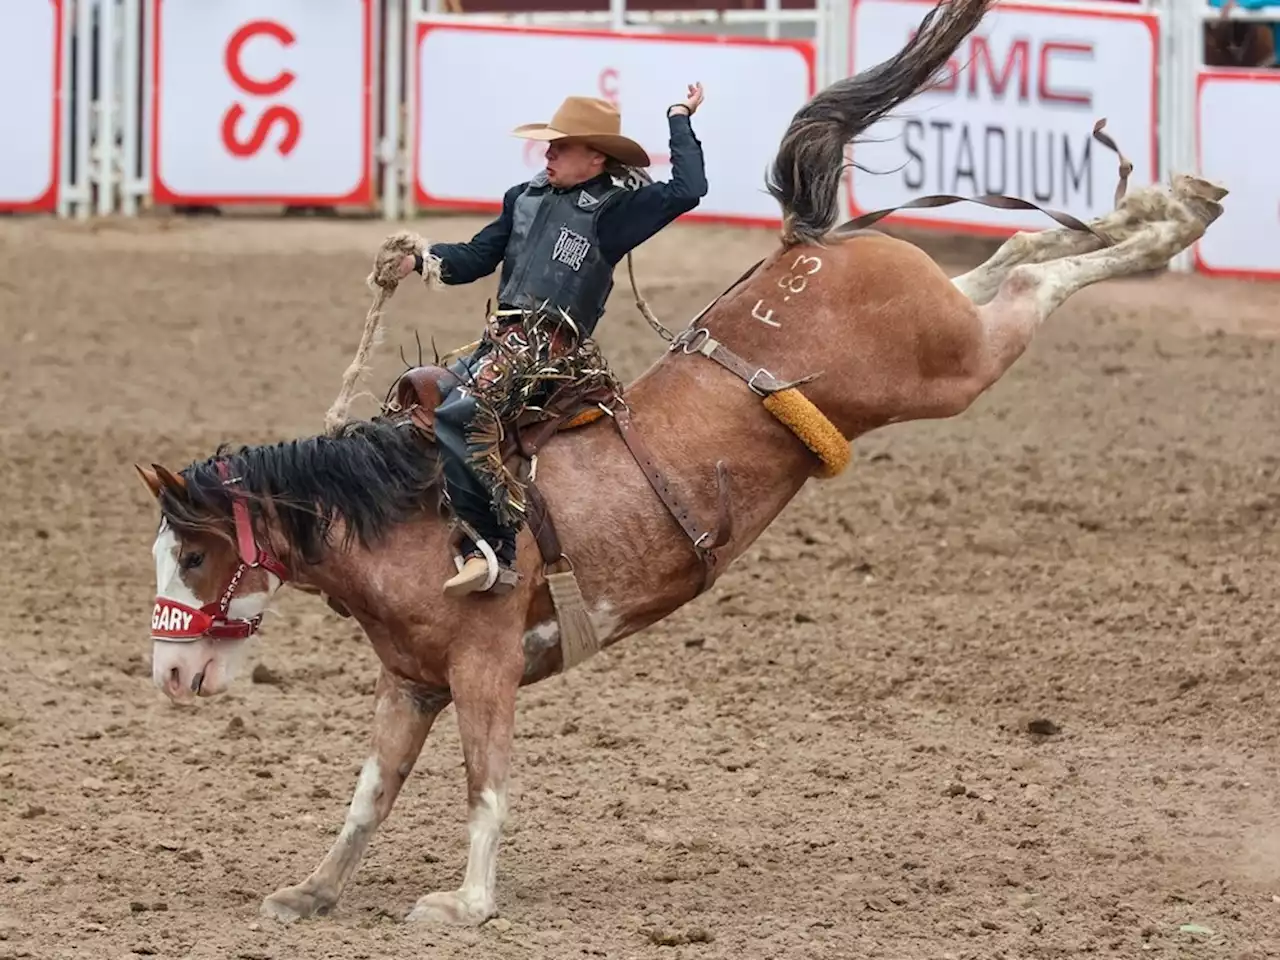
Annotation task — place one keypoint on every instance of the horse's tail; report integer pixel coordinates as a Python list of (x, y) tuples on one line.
[(805, 176)]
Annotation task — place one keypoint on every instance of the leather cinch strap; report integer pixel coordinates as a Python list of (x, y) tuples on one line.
[(704, 542)]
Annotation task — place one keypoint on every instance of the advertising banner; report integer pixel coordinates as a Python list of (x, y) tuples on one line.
[(30, 105), (1237, 139), (263, 101), (465, 155), (1012, 113)]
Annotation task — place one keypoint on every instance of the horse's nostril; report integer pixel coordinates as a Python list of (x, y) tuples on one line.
[(175, 678), (196, 682)]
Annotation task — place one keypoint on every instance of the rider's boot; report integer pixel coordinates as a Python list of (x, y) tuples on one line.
[(470, 579), (482, 567)]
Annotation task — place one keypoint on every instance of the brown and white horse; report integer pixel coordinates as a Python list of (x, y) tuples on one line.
[(355, 514)]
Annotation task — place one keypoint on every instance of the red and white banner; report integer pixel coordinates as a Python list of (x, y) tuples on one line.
[(474, 84), (263, 101), (30, 107), (1237, 140), (1013, 113)]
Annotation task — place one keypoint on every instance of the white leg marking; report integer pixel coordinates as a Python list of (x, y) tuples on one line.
[(320, 891), (474, 902), (362, 815), (485, 831)]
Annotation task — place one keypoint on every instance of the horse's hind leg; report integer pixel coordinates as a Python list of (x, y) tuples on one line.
[(1134, 213), (484, 681), (1032, 292), (983, 282), (402, 717)]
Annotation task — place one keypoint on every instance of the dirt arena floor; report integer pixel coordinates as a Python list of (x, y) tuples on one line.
[(1006, 689)]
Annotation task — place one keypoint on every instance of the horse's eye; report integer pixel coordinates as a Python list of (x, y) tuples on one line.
[(191, 560)]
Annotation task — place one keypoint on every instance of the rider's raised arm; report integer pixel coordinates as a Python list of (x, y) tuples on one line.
[(636, 216), (478, 257)]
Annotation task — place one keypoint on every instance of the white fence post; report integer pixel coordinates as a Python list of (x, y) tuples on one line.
[(82, 171), (65, 118), (389, 152), (105, 147), (130, 87), (409, 104), (1181, 55)]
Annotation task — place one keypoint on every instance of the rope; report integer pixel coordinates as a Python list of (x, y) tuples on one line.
[(643, 306), (383, 281), (635, 178)]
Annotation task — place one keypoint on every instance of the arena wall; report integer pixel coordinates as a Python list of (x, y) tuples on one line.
[(395, 107)]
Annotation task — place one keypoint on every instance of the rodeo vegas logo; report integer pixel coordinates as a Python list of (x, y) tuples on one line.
[(571, 248)]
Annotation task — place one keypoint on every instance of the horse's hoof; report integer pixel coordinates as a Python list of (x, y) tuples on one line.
[(1188, 185), (450, 908), (293, 903)]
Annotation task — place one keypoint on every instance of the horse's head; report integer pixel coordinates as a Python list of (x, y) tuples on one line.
[(213, 582)]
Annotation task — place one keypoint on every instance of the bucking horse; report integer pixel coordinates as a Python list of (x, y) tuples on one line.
[(638, 500)]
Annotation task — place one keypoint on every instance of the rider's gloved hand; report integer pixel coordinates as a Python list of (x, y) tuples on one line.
[(409, 265)]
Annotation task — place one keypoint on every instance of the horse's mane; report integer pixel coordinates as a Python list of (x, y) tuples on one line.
[(371, 474)]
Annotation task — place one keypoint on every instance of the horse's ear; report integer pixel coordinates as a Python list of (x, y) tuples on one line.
[(150, 479), (169, 479)]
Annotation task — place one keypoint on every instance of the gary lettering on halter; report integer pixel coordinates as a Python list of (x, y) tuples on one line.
[(558, 238)]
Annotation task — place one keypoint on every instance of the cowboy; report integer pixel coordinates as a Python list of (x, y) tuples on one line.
[(558, 238)]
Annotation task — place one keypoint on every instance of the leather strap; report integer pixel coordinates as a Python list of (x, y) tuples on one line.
[(1001, 202), (1126, 165), (700, 341), (703, 541), (541, 525), (530, 438), (946, 199)]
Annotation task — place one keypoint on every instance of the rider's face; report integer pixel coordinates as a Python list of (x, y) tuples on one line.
[(569, 164)]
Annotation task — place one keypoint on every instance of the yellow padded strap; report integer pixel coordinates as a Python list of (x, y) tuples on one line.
[(811, 425)]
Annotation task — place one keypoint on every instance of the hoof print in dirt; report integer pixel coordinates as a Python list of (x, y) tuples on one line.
[(1042, 727), (262, 674)]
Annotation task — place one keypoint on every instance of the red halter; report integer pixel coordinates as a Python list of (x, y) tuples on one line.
[(175, 621)]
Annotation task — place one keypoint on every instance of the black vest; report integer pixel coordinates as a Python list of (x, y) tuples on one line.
[(553, 253)]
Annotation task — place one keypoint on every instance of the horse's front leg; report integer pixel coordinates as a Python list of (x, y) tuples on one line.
[(484, 683), (402, 717)]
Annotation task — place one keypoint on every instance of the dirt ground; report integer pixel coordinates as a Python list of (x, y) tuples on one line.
[(831, 755)]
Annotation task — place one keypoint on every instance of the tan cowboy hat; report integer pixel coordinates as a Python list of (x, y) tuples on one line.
[(591, 121)]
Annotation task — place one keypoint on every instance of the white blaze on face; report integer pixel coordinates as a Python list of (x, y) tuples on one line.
[(169, 585)]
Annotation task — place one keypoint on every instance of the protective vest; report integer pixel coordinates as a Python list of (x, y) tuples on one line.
[(553, 253)]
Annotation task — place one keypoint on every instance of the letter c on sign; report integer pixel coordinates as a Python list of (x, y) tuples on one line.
[(609, 85), (1047, 52), (259, 88)]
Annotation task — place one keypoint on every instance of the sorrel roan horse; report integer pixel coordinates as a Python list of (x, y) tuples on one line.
[(353, 514)]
